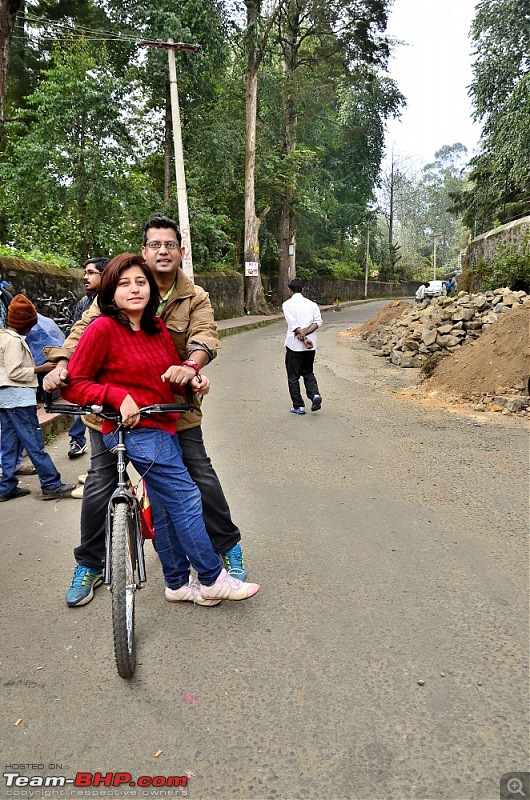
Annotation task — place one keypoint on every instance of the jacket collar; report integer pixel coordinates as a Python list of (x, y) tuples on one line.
[(183, 287)]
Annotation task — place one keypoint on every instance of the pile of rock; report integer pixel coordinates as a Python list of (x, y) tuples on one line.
[(441, 325)]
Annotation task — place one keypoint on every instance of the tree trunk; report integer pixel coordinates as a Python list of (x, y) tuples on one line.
[(391, 253), (8, 13), (255, 302), (287, 221)]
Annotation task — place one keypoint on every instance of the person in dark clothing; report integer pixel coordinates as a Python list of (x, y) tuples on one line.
[(92, 278), (5, 299)]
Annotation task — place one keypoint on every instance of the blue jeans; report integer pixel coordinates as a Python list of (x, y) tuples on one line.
[(77, 432), (177, 509), (20, 452), (102, 479), (20, 427)]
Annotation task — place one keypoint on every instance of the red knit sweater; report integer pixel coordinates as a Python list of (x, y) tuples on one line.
[(111, 361)]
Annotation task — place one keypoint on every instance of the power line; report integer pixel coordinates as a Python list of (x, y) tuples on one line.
[(77, 31)]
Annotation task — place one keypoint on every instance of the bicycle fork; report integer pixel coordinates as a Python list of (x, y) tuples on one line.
[(123, 494)]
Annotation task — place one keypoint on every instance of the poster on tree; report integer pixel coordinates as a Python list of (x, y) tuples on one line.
[(251, 269)]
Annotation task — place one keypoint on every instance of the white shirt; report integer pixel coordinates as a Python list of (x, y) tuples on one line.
[(299, 312), (420, 294)]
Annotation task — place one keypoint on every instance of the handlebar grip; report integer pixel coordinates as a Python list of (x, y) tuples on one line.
[(57, 406)]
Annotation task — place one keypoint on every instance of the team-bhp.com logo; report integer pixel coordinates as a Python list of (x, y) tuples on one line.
[(84, 780)]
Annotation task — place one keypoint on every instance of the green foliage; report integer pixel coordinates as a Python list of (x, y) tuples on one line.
[(509, 267), (501, 34), (500, 174), (211, 242), (37, 255), (67, 176), (84, 156)]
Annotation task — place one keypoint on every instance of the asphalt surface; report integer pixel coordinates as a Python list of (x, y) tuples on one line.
[(386, 655)]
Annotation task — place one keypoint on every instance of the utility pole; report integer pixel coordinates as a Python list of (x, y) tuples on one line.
[(367, 259), (182, 195), (435, 237)]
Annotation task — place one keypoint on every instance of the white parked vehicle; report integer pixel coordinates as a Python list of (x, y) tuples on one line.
[(435, 289)]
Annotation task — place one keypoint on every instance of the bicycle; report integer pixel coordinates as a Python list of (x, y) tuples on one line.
[(125, 570), (61, 311)]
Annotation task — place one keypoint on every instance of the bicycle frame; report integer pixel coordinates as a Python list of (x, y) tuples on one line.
[(123, 494)]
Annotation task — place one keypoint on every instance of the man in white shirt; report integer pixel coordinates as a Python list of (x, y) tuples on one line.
[(420, 294), (303, 320)]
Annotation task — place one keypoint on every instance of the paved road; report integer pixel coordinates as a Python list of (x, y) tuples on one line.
[(387, 653)]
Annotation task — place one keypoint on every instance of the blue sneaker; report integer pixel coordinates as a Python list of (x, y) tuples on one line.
[(233, 562), (81, 589), (316, 405), (297, 410)]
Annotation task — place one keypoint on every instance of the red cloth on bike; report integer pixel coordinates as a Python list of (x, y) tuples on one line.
[(112, 361)]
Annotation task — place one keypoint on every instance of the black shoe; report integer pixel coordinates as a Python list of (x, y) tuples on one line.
[(317, 403), (18, 492), (75, 450), (63, 490)]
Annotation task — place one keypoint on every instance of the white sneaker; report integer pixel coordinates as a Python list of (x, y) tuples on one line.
[(81, 478), (78, 492), (228, 588), (189, 592)]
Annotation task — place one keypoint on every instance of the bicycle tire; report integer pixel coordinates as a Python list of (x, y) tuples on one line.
[(123, 586)]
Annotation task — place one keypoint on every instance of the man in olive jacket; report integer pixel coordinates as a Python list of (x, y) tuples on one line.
[(188, 315)]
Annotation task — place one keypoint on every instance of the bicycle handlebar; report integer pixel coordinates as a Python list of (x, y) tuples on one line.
[(52, 406)]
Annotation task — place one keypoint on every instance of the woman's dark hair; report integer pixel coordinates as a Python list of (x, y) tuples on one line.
[(109, 282)]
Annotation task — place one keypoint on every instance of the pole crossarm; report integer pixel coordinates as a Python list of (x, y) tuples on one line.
[(182, 46)]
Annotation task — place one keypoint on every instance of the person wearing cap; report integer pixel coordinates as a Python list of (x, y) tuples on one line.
[(18, 407), (92, 279), (5, 299)]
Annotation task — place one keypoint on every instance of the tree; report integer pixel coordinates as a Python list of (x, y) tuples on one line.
[(8, 12), (501, 34), (421, 203), (69, 180), (499, 180), (343, 35), (256, 43)]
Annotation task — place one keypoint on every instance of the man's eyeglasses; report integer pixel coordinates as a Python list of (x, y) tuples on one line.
[(158, 245), (91, 272)]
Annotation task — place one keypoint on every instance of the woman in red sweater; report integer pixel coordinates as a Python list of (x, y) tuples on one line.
[(125, 360)]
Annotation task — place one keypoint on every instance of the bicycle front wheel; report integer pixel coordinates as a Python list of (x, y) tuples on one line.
[(123, 586)]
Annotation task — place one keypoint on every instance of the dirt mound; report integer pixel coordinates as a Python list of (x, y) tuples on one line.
[(387, 314), (496, 363)]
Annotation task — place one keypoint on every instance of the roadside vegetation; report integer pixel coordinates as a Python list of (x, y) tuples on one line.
[(86, 149)]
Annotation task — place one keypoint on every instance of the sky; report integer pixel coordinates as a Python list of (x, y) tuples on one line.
[(433, 71)]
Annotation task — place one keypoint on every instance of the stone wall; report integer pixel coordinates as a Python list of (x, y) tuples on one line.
[(226, 293), (37, 280), (484, 247), (226, 290), (325, 291)]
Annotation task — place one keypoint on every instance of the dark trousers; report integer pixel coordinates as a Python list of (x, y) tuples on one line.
[(102, 480), (77, 432), (300, 365)]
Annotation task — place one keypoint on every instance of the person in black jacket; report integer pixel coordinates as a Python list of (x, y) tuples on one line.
[(92, 278), (5, 299)]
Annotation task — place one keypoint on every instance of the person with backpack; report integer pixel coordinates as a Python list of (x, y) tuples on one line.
[(18, 407)]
